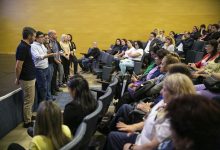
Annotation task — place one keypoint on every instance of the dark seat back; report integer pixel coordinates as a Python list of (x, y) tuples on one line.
[(91, 121), (113, 85), (76, 143), (106, 100), (198, 46)]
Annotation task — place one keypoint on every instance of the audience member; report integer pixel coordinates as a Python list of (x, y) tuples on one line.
[(212, 54), (168, 45), (130, 55), (114, 49), (152, 41), (194, 122), (82, 104), (49, 131)]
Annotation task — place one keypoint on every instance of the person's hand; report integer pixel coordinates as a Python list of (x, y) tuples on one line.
[(144, 106), (129, 146), (126, 128), (133, 78), (192, 65), (17, 82)]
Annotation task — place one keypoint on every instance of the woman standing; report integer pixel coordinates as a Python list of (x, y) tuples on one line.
[(73, 58), (65, 56)]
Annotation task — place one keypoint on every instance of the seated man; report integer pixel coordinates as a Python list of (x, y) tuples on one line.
[(93, 53)]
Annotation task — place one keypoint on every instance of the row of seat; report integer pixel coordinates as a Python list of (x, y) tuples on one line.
[(90, 123)]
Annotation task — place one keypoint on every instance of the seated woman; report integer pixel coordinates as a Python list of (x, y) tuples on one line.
[(168, 45), (212, 54), (130, 55), (211, 67), (201, 130), (155, 72), (114, 49), (119, 55), (155, 84), (124, 48), (155, 127), (83, 103), (148, 61), (49, 133)]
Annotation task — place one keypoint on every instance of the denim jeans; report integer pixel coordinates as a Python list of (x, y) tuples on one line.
[(49, 79), (124, 64), (42, 83)]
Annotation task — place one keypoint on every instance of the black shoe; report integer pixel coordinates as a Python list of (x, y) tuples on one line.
[(53, 98), (33, 118), (29, 124)]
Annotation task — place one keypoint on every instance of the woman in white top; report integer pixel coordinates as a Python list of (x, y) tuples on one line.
[(155, 127), (130, 55), (168, 45), (64, 43)]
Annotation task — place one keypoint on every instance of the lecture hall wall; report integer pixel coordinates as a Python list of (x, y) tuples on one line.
[(101, 20)]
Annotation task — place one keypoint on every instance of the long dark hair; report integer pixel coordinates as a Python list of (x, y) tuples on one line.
[(71, 37), (49, 123), (83, 97), (116, 42), (214, 44), (140, 44)]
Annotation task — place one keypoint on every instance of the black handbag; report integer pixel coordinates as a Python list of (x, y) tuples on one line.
[(212, 84)]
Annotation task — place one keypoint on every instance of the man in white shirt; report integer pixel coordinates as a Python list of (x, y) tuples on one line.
[(153, 41), (40, 58)]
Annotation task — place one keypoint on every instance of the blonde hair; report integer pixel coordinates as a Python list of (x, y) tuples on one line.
[(63, 37), (179, 84), (49, 122)]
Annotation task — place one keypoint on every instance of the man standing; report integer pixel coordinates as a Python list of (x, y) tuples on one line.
[(58, 67), (25, 73), (40, 58)]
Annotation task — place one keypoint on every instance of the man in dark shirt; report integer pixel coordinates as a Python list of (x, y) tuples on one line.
[(187, 42), (215, 34), (25, 72)]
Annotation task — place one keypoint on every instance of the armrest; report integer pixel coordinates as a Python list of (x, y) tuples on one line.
[(97, 90)]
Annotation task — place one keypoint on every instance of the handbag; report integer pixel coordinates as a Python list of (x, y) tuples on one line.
[(212, 84)]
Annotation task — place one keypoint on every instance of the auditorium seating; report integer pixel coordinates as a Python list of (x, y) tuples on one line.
[(78, 138), (91, 121)]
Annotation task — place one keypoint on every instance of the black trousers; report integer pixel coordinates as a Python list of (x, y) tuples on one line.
[(74, 61), (54, 78), (66, 67)]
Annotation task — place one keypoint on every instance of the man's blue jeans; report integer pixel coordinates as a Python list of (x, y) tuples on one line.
[(42, 83), (50, 75)]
